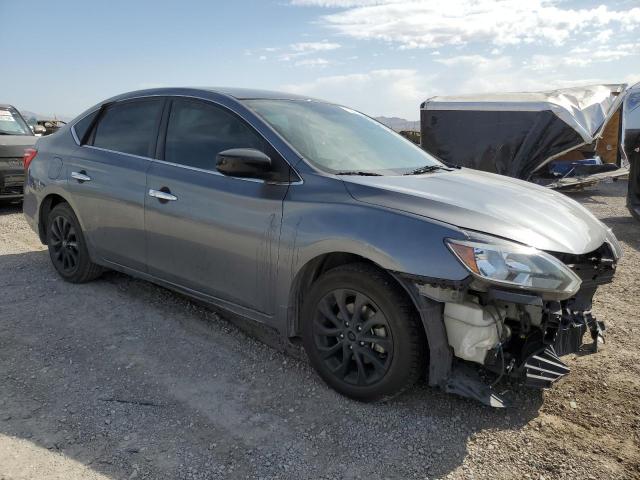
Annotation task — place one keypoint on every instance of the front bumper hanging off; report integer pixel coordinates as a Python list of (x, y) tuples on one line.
[(541, 369), (510, 333)]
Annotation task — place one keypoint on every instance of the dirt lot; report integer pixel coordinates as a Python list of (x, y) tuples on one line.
[(122, 379)]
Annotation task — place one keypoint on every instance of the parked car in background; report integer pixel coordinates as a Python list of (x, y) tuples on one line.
[(51, 126), (328, 227), (37, 129), (15, 137)]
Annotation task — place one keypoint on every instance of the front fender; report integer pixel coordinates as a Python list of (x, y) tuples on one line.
[(395, 241)]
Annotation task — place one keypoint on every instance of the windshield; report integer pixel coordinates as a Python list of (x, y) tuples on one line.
[(11, 123), (340, 140)]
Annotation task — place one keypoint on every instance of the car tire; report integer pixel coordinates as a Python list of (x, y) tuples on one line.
[(362, 333), (68, 248)]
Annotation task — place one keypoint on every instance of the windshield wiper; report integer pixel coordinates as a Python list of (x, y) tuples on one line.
[(362, 174), (427, 169)]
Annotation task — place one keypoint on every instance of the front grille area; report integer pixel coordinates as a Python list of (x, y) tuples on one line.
[(593, 268)]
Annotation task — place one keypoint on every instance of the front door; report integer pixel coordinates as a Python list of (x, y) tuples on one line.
[(211, 233)]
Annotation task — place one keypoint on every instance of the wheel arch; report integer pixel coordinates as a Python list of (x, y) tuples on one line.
[(429, 311), (46, 205), (312, 270), (308, 274)]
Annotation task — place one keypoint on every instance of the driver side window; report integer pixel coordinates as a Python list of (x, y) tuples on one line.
[(198, 131)]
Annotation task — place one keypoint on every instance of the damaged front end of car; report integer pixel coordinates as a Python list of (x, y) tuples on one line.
[(518, 313)]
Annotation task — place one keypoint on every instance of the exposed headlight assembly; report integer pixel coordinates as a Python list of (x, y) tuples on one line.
[(515, 266)]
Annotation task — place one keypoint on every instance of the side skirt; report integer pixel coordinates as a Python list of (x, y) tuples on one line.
[(230, 307)]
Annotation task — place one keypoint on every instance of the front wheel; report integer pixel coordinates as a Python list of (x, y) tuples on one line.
[(362, 334), (67, 246)]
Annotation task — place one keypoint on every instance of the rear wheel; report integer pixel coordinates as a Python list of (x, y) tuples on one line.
[(67, 247), (362, 334)]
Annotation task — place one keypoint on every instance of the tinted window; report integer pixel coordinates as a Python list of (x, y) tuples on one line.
[(83, 126), (198, 131), (129, 127)]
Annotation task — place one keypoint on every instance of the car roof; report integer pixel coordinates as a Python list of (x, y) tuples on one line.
[(250, 93), (6, 105), (238, 94)]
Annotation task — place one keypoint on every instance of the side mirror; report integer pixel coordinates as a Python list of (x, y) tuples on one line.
[(39, 129), (244, 162)]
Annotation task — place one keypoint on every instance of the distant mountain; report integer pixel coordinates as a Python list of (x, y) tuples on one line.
[(27, 115), (399, 124)]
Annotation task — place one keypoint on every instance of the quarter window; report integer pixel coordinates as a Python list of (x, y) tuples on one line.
[(198, 131), (129, 127), (81, 127)]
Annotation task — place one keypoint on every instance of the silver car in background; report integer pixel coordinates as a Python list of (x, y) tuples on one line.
[(326, 226)]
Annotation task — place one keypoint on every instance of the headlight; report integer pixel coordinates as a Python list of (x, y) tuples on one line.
[(516, 266), (614, 244)]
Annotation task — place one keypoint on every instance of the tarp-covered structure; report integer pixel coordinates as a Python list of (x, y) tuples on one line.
[(631, 146), (523, 135)]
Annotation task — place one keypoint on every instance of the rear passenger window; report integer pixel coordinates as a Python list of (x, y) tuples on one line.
[(198, 131), (129, 127)]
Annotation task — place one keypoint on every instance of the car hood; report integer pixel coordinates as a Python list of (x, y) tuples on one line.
[(488, 203), (14, 145)]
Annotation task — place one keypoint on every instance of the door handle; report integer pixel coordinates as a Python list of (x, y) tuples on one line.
[(162, 195), (81, 176)]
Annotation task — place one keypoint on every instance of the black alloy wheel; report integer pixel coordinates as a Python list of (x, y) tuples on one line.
[(64, 245), (362, 333), (67, 246), (353, 337)]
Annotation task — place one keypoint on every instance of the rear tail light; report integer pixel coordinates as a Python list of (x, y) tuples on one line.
[(27, 158)]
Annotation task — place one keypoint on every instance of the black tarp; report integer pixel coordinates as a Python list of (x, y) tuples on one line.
[(508, 143), (515, 134)]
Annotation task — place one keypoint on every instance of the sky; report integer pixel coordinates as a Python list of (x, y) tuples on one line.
[(382, 57)]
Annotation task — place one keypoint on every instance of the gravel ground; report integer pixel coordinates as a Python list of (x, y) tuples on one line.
[(122, 379)]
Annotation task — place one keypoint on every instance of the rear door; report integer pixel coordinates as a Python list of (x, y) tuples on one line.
[(107, 178), (214, 234)]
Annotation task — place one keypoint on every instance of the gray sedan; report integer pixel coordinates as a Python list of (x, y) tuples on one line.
[(319, 222)]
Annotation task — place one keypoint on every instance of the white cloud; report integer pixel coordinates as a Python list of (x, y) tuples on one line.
[(468, 74), (430, 24), (603, 36), (385, 91), (294, 51), (313, 62), (475, 46), (399, 92), (338, 3), (478, 62), (582, 57), (305, 47), (302, 49)]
